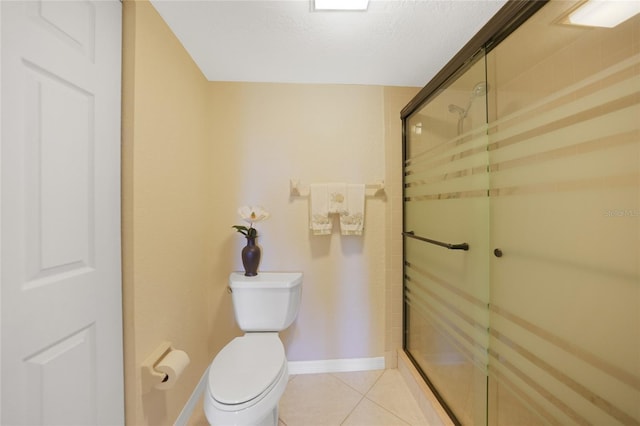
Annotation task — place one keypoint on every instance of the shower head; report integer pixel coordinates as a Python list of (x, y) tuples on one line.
[(480, 89)]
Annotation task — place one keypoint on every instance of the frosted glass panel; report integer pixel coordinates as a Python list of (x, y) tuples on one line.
[(446, 291), (531, 156), (564, 152)]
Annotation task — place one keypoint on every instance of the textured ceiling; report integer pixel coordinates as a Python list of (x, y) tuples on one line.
[(394, 43)]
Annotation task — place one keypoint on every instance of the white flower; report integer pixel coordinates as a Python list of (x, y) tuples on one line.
[(253, 214)]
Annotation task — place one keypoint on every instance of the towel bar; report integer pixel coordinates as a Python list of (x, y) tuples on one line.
[(462, 246), (296, 189)]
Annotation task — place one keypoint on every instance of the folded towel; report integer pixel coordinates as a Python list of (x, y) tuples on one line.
[(319, 221), (337, 197), (352, 219)]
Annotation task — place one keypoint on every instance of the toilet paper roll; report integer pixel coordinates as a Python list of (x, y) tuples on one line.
[(173, 364)]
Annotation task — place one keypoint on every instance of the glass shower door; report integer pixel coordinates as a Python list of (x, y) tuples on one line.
[(446, 202), (564, 151), (531, 156)]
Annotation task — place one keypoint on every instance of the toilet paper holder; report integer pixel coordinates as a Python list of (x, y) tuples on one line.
[(152, 378)]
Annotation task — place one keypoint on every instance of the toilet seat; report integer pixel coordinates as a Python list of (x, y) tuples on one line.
[(246, 370)]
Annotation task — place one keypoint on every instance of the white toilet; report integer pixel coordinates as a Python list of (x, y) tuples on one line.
[(249, 375)]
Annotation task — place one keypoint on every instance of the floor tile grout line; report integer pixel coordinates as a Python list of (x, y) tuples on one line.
[(388, 411), (362, 395), (352, 409), (357, 390), (374, 383)]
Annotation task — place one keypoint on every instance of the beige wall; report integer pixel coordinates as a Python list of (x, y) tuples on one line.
[(265, 134), (193, 152), (167, 207)]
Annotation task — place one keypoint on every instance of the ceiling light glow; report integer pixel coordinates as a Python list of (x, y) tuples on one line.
[(604, 13), (340, 4)]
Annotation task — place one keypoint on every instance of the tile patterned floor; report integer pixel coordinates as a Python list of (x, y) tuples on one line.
[(366, 398), (362, 398)]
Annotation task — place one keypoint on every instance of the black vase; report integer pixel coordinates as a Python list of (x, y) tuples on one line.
[(251, 257)]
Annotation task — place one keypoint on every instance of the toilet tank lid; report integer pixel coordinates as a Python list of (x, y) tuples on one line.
[(265, 280), (246, 367)]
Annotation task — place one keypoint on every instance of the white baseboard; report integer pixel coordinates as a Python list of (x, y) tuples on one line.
[(336, 365), (187, 410)]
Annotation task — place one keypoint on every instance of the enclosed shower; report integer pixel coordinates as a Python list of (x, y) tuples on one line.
[(522, 225)]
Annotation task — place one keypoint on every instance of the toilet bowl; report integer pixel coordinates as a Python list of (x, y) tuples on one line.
[(246, 380), (249, 375)]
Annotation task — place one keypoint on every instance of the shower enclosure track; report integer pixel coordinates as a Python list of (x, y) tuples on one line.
[(461, 246)]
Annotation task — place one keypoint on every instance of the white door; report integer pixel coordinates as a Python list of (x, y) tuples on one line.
[(60, 288)]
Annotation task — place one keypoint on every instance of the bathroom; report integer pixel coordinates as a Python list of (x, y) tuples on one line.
[(260, 135), (246, 120), (194, 151)]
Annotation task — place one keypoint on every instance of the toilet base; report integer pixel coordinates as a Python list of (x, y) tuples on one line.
[(271, 419)]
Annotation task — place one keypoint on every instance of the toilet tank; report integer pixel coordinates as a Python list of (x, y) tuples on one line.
[(268, 301)]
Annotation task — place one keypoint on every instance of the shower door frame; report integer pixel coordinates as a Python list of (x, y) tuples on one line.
[(513, 14)]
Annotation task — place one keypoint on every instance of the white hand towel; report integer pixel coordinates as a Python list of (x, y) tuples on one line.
[(337, 197), (352, 220), (319, 221)]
